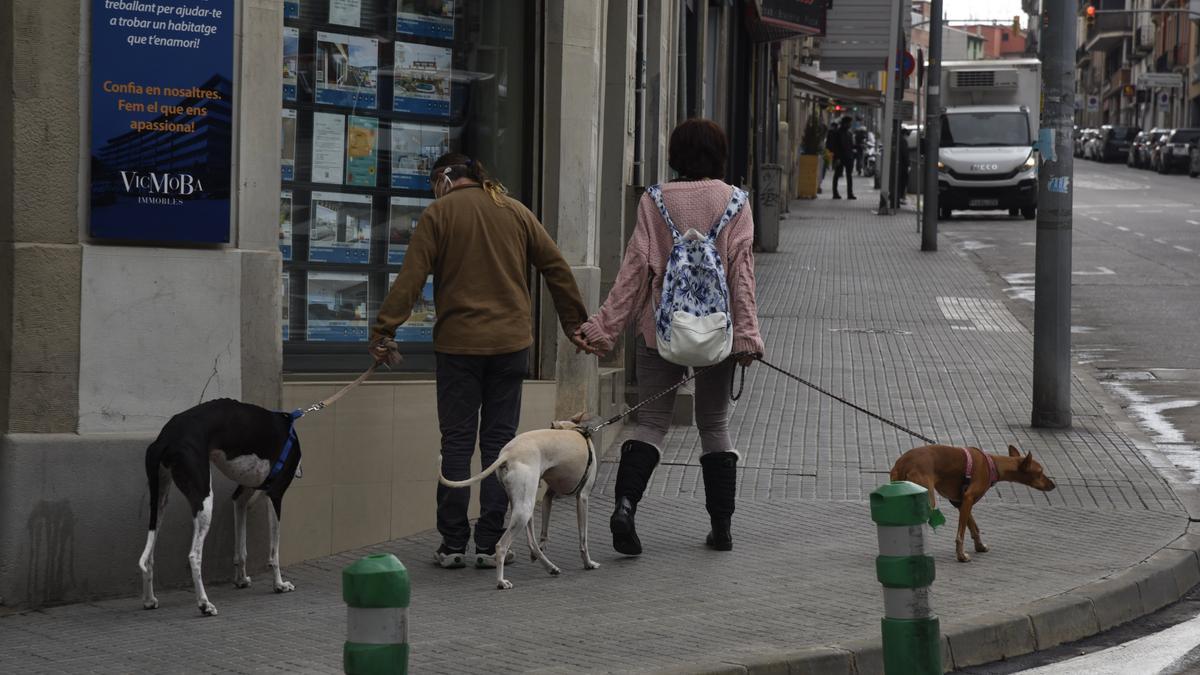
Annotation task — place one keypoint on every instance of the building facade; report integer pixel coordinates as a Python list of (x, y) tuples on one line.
[(333, 113)]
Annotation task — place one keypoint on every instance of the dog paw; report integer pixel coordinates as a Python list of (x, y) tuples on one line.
[(243, 582), (591, 565), (208, 609), (533, 557), (285, 587), (981, 548), (554, 571), (963, 557), (504, 585), (152, 603)]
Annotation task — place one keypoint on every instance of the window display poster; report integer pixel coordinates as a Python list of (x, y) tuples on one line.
[(426, 18), (329, 142), (291, 9), (347, 70), (287, 159), (419, 327), (161, 142), (345, 12), (285, 224), (404, 213), (337, 307), (362, 154), (415, 147), (291, 61), (287, 301), (422, 84), (339, 228)]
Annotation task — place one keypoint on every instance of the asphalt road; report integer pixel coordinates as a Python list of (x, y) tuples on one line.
[(1135, 296), (1136, 320)]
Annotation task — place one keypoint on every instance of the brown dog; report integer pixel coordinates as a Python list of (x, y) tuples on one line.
[(963, 476)]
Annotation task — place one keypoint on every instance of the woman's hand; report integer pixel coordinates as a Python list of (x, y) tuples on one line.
[(746, 358)]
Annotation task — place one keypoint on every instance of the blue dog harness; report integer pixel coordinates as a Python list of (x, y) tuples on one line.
[(287, 449)]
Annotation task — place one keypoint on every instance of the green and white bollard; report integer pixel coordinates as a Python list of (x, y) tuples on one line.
[(376, 591), (911, 634)]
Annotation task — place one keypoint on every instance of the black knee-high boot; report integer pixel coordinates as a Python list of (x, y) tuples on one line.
[(638, 460), (720, 489)]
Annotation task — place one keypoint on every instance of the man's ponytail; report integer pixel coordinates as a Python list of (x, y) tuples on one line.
[(462, 166)]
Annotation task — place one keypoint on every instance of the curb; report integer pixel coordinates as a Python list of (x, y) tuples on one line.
[(1159, 580)]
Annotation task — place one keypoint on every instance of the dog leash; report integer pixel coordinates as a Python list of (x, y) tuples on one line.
[(301, 412), (835, 397), (325, 403), (588, 431)]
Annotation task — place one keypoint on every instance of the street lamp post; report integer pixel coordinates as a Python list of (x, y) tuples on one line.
[(1052, 271), (933, 129)]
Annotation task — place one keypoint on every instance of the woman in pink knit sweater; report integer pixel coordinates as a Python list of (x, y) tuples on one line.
[(697, 199)]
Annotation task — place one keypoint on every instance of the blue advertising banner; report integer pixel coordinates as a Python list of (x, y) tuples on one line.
[(161, 120)]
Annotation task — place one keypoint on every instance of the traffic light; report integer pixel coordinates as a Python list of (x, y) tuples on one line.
[(1090, 13), (1129, 91)]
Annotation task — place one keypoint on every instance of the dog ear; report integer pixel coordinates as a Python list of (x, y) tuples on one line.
[(1013, 451), (1027, 462), (579, 417)]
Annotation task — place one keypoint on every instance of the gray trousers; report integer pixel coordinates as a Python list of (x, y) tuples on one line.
[(655, 374)]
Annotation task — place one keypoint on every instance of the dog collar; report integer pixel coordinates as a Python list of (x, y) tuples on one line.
[(993, 474), (586, 469)]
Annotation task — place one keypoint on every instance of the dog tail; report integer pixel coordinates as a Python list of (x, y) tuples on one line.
[(154, 459), (501, 459)]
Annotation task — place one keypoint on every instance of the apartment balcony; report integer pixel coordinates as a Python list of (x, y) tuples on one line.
[(1108, 31)]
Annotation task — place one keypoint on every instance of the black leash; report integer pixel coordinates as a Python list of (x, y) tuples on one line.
[(588, 431), (835, 397)]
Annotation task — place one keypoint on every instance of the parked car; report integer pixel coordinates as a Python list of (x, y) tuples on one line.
[(1174, 150), (1156, 149), (1146, 149), (1114, 142), (1194, 159), (1131, 158)]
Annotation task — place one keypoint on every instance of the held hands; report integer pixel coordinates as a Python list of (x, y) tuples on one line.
[(386, 352), (582, 345)]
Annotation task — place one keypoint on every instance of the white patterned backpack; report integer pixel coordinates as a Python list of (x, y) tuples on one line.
[(693, 325)]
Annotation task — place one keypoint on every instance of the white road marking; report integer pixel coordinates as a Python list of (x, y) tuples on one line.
[(1151, 211), (1100, 271), (1182, 248), (985, 315), (1147, 655), (1140, 234), (1122, 228), (1151, 414), (1193, 222), (1160, 241)]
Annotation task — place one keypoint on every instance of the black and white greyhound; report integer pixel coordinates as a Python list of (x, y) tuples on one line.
[(255, 447)]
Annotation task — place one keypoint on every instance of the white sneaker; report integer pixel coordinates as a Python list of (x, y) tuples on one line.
[(488, 560), (448, 559)]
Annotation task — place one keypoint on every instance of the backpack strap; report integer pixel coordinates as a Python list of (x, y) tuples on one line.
[(736, 201), (655, 193)]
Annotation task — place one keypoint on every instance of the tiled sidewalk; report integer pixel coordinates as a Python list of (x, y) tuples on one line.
[(848, 302)]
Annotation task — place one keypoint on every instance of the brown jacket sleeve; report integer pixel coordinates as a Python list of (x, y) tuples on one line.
[(545, 256), (418, 263)]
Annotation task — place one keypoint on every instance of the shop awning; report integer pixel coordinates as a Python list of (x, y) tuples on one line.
[(834, 91)]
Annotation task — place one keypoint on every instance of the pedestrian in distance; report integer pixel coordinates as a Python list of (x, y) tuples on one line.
[(860, 145), (479, 244), (699, 200), (843, 157)]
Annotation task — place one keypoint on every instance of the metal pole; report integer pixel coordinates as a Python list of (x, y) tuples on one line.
[(933, 127), (889, 106), (1052, 271)]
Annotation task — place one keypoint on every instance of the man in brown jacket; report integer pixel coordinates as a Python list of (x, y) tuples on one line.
[(478, 244)]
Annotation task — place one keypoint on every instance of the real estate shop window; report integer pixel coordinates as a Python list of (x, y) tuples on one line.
[(373, 92)]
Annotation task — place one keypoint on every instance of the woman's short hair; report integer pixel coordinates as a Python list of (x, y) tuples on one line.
[(698, 149)]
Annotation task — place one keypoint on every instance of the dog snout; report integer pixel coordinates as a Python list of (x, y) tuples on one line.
[(1048, 484)]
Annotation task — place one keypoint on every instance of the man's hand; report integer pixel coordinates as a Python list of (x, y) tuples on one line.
[(386, 352)]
